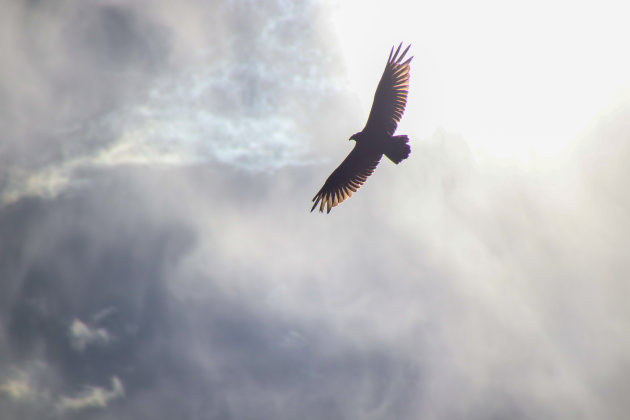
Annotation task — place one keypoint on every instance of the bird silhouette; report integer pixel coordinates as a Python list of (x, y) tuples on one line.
[(377, 137)]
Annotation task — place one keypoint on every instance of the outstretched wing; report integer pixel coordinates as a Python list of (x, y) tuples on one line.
[(391, 95), (347, 178)]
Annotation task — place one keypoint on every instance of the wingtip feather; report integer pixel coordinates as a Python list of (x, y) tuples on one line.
[(404, 52), (396, 53)]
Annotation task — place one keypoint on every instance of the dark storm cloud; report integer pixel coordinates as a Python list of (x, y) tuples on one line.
[(68, 63), (217, 355), (68, 268)]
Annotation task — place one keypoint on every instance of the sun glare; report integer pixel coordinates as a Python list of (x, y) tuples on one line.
[(515, 81)]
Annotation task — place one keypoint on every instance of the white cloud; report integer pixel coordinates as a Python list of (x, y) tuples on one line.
[(93, 397), (27, 386), (17, 387), (81, 335)]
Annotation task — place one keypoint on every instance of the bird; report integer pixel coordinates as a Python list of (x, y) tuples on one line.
[(377, 137)]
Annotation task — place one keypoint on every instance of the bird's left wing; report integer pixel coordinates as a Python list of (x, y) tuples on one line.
[(390, 98), (346, 179)]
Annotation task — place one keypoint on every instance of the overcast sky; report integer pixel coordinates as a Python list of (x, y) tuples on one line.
[(157, 255)]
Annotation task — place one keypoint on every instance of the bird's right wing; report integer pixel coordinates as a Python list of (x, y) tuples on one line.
[(390, 98), (346, 179)]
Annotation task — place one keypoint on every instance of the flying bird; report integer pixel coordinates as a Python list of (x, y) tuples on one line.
[(377, 137)]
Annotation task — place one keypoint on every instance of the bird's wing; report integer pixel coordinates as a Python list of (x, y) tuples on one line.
[(346, 179), (391, 94)]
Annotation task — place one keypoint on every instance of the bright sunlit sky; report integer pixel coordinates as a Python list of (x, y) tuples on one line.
[(157, 255), (516, 79)]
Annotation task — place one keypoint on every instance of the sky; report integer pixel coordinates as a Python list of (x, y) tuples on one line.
[(158, 258)]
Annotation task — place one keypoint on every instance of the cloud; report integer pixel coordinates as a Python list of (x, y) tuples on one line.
[(155, 190), (229, 99), (93, 397), (471, 292), (17, 387), (81, 335), (27, 389)]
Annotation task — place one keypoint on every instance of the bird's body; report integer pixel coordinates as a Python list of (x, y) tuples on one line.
[(376, 139)]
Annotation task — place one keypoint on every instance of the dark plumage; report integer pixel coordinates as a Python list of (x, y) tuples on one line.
[(376, 139)]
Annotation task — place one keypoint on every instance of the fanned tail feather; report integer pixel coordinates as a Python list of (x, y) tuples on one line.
[(397, 149)]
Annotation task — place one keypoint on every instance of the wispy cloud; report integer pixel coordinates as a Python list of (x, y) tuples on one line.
[(93, 397), (82, 336), (233, 100)]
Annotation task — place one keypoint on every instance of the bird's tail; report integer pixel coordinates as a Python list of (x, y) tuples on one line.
[(397, 149)]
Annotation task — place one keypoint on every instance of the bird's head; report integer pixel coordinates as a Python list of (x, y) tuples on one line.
[(355, 136)]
